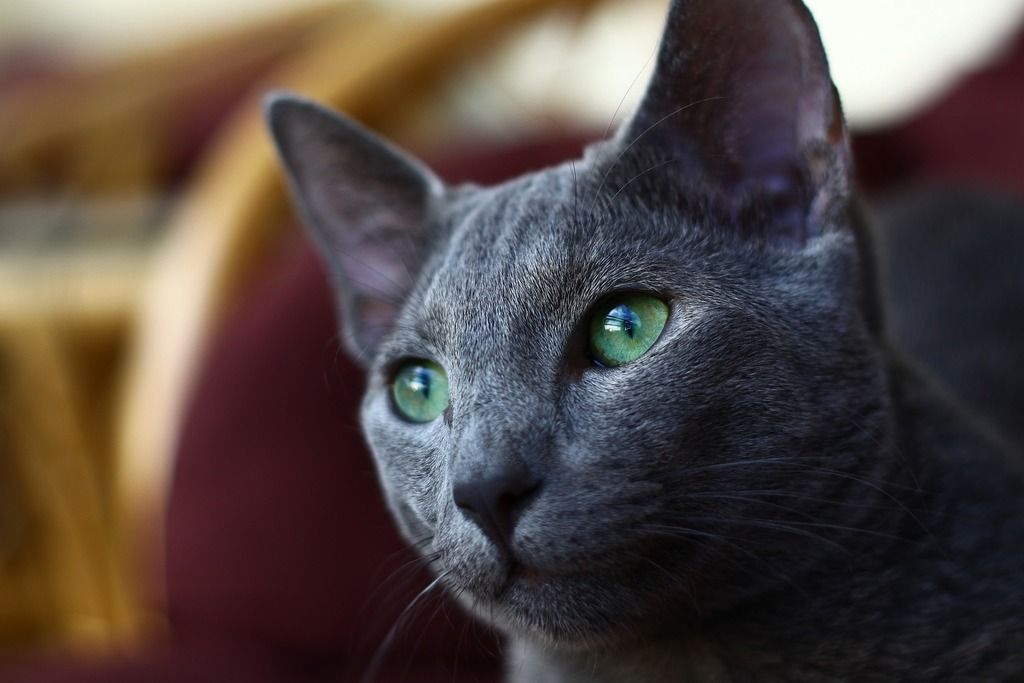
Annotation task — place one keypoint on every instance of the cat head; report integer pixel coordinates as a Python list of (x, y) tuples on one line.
[(609, 391)]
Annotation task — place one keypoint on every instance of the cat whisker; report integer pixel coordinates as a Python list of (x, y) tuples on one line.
[(375, 607), (853, 529), (766, 524), (687, 533), (878, 488), (337, 344), (759, 494), (441, 602), (632, 84), (575, 197), (676, 580), (887, 447), (877, 485), (370, 674), (393, 582), (797, 466), (759, 498), (462, 633), (640, 136), (739, 497), (658, 165), (458, 646), (422, 541), (745, 462)]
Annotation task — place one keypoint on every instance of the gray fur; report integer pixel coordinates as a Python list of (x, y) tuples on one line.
[(769, 493)]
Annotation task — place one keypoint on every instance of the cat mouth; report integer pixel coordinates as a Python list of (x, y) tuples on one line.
[(522, 576), (526, 574)]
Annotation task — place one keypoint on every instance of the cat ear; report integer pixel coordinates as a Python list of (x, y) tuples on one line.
[(742, 96), (368, 206)]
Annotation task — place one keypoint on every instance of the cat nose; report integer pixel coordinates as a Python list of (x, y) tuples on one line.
[(496, 500)]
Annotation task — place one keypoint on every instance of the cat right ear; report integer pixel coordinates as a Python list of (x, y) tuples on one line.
[(742, 99), (369, 207)]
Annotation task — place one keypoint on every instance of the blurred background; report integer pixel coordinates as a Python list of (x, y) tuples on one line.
[(146, 250)]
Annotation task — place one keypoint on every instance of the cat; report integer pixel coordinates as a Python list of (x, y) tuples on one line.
[(642, 411)]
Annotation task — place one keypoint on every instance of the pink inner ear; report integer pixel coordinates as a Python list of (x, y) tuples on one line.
[(375, 318), (780, 92), (374, 227), (367, 205), (380, 265), (377, 277)]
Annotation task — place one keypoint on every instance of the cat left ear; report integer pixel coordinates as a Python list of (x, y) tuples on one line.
[(369, 207), (742, 96)]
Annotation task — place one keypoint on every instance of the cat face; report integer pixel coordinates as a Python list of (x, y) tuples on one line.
[(614, 392)]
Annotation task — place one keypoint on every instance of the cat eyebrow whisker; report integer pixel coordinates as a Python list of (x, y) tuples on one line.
[(627, 148), (615, 114), (575, 197), (655, 167)]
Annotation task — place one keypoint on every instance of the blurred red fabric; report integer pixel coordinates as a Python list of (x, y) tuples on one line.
[(972, 135)]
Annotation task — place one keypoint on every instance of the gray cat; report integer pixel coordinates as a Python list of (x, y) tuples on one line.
[(643, 409)]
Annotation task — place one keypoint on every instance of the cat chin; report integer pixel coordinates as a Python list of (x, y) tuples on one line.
[(570, 612)]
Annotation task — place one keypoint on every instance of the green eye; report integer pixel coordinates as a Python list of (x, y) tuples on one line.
[(420, 390), (625, 326)]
